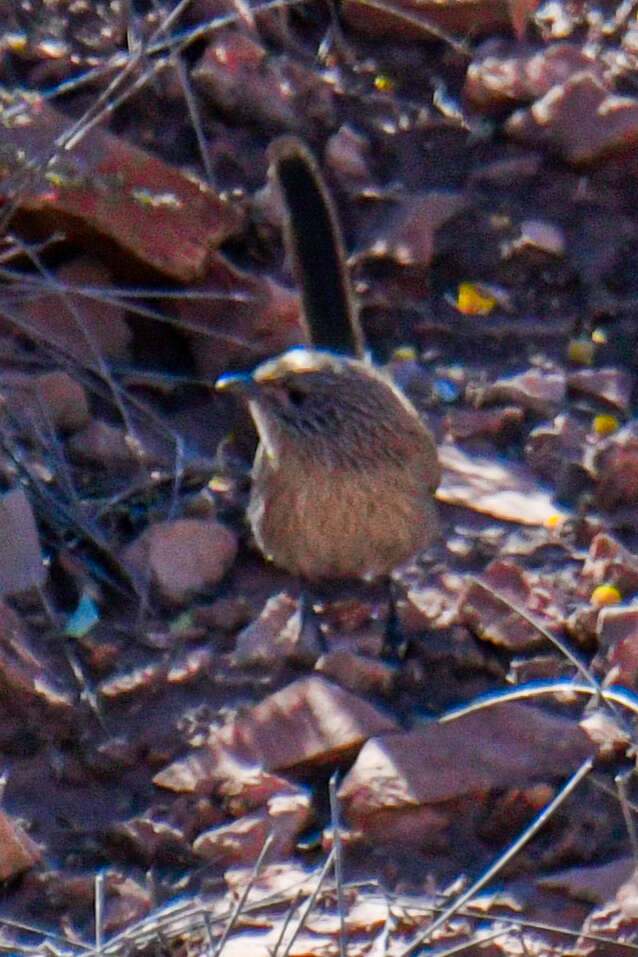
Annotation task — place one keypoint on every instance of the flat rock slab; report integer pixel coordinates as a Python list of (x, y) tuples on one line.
[(310, 721), (498, 488), (498, 748), (107, 187), (417, 18)]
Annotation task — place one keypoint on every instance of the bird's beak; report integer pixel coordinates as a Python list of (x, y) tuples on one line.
[(237, 383)]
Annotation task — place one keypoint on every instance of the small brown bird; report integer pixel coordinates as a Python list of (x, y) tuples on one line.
[(344, 475)]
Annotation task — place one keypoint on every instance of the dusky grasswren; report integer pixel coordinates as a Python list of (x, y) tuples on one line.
[(344, 475)]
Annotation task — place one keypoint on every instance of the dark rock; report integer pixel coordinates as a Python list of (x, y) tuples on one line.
[(183, 557), (281, 633), (419, 19), (611, 386), (580, 119), (63, 400), (609, 563), (499, 748), (539, 392), (109, 188), (18, 853), (496, 81)]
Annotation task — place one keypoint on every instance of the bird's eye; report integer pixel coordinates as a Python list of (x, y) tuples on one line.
[(296, 396)]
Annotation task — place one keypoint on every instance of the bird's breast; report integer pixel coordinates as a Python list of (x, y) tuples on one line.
[(341, 523)]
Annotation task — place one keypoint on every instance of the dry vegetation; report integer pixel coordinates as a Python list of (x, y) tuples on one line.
[(199, 755)]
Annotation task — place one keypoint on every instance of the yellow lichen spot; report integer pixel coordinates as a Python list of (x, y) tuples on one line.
[(554, 521), (384, 83), (605, 424), (220, 483), (473, 301), (16, 42), (156, 200), (599, 337), (405, 354), (581, 351), (605, 595), (55, 178)]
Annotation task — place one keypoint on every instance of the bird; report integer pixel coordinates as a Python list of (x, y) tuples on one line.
[(343, 481)]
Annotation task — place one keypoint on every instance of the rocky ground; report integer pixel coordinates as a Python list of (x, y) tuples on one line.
[(174, 710)]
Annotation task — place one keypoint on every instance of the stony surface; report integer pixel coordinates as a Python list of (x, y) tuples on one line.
[(167, 698)]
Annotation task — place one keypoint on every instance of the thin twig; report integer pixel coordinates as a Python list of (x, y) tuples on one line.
[(99, 910), (232, 920), (338, 848), (284, 927), (85, 692), (504, 858), (310, 902), (545, 632), (611, 695)]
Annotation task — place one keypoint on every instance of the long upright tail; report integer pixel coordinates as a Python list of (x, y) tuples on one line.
[(315, 244)]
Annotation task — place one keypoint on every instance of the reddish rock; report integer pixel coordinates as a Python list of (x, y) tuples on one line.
[(618, 640), (199, 773), (408, 236), (21, 562), (499, 748), (536, 236), (247, 318), (359, 673), (150, 841), (106, 187), (431, 605), (237, 843), (499, 423), (503, 172), (504, 490), (311, 721), (65, 889), (539, 392), (82, 325), (616, 463), (126, 902), (249, 787), (605, 731), (63, 400), (239, 76), (346, 157), (495, 81), (242, 785), (183, 557), (240, 842), (552, 449), (490, 619), (24, 676), (582, 626), (18, 853), (593, 884), (146, 679), (282, 632), (613, 386), (609, 563), (580, 119), (226, 614), (102, 444), (419, 19), (402, 827)]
